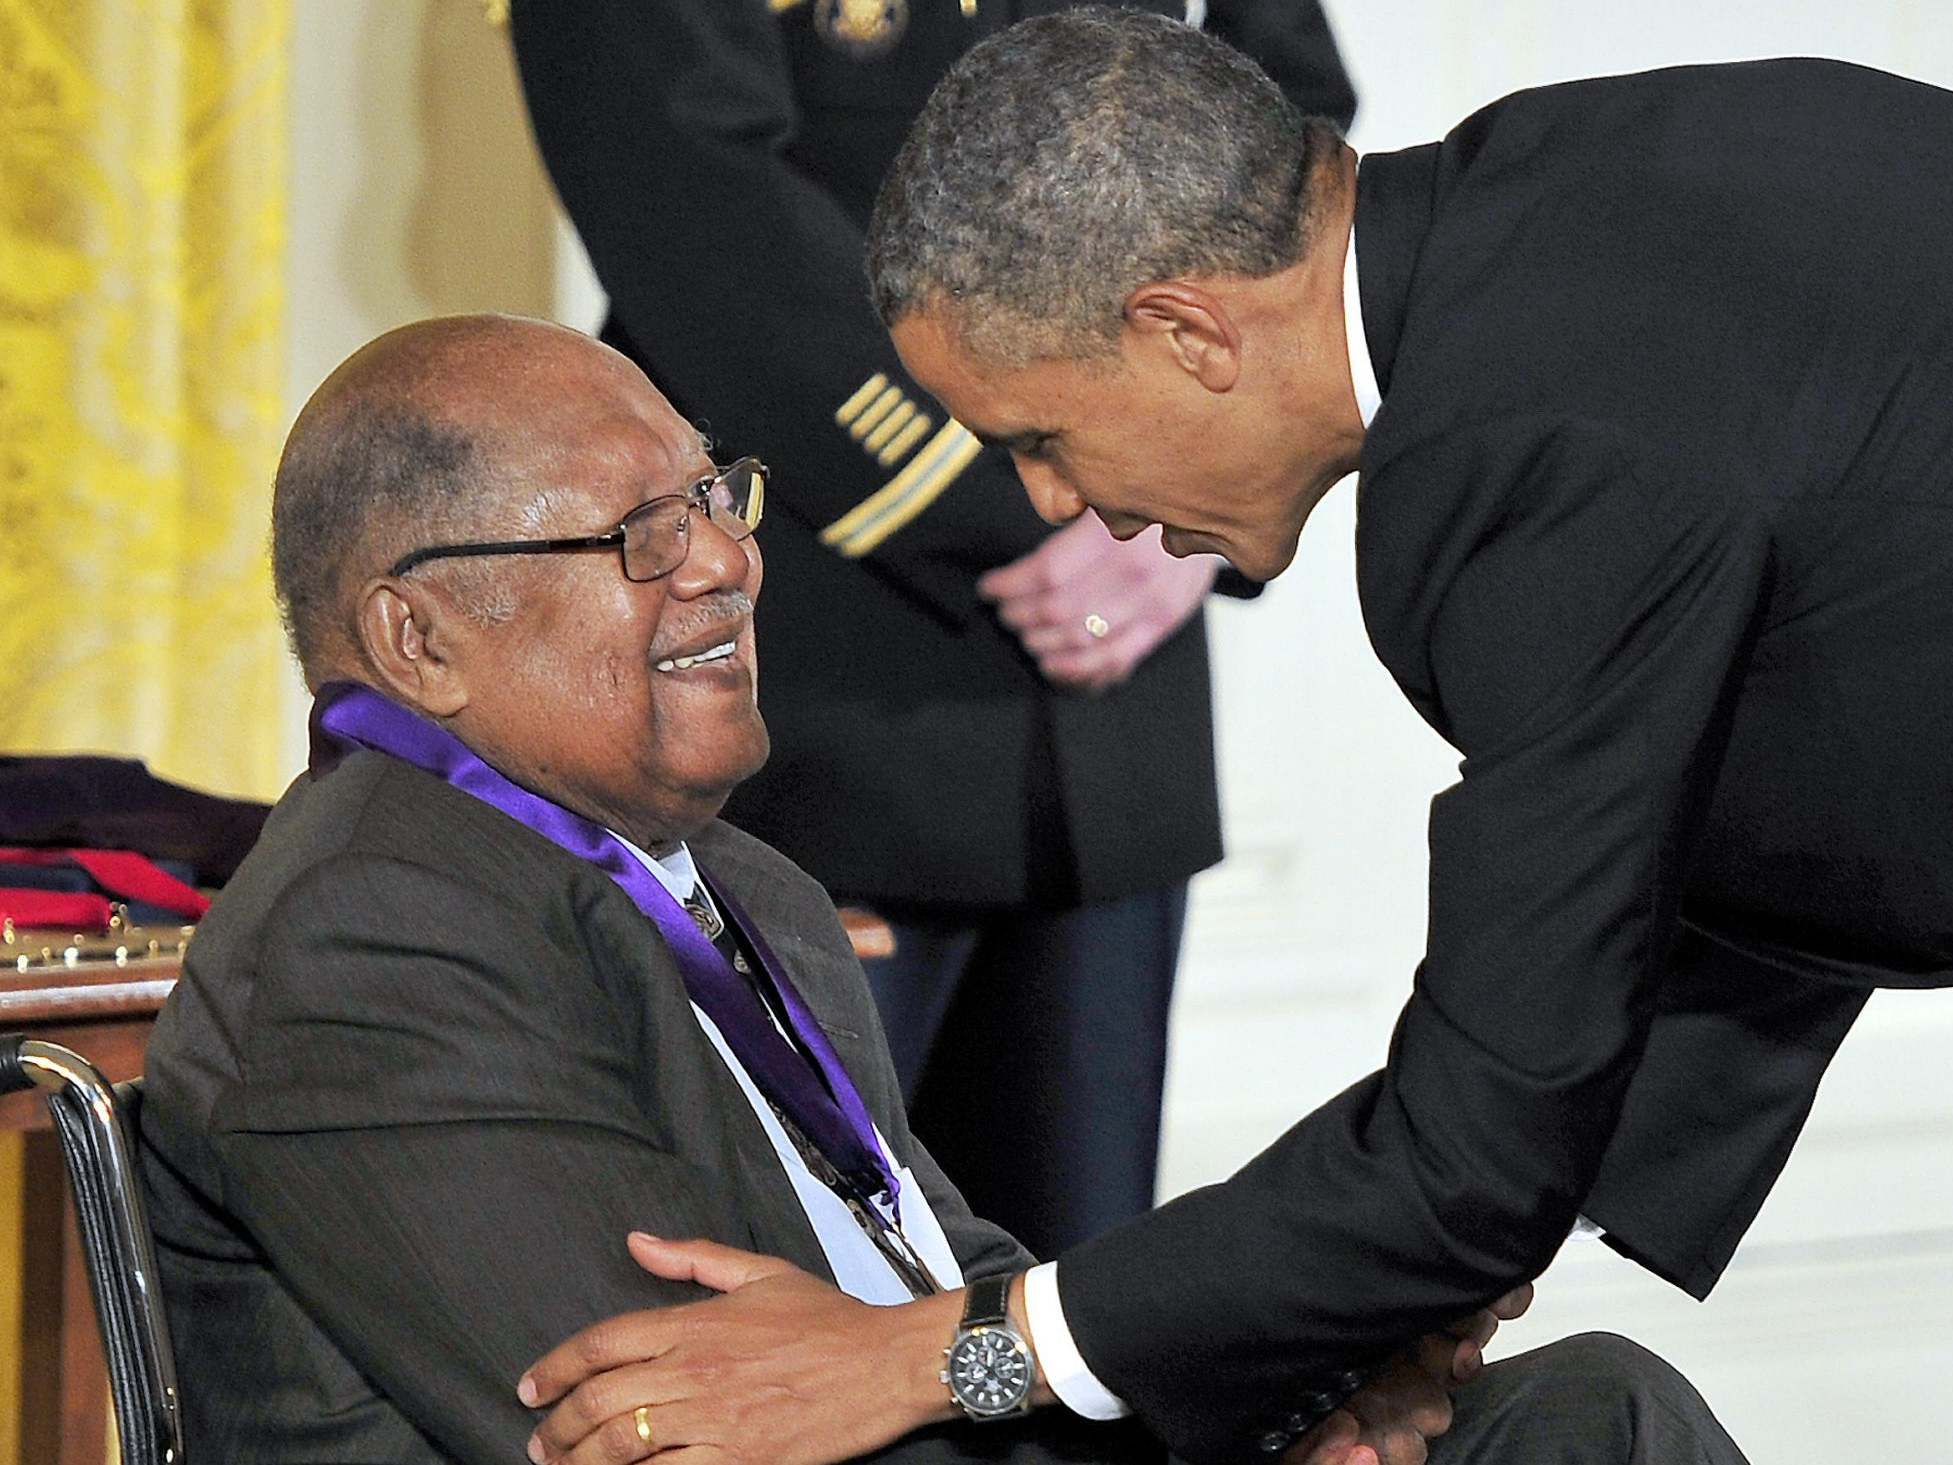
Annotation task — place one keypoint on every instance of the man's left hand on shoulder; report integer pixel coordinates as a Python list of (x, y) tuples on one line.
[(784, 1368), (1089, 608)]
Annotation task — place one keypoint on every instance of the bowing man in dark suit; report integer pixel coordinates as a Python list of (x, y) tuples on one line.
[(952, 745), (495, 989), (1646, 381)]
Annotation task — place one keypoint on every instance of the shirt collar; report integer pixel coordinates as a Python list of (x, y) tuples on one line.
[(1363, 374), (677, 871)]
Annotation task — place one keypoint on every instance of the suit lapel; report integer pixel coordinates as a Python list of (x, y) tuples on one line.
[(711, 1121), (817, 959)]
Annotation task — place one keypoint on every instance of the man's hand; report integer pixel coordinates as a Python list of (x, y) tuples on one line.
[(1393, 1418), (1135, 590), (1474, 1332), (782, 1370)]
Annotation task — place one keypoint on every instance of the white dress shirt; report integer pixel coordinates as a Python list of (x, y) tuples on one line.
[(1362, 373), (859, 1268)]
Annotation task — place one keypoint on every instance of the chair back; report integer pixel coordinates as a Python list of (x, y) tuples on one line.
[(96, 1124)]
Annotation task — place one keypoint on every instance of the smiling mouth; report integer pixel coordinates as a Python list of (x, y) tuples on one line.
[(702, 658)]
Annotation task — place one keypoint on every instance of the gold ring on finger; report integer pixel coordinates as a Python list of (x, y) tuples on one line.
[(641, 1417), (1097, 627)]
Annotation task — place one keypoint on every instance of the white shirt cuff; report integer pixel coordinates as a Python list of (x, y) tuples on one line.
[(1063, 1367)]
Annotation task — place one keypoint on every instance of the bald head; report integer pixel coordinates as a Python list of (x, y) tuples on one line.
[(438, 431)]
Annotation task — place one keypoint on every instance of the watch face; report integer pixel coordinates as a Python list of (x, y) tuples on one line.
[(988, 1372)]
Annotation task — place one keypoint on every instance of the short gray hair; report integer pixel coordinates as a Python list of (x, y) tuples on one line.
[(1072, 158), (407, 444), (379, 461)]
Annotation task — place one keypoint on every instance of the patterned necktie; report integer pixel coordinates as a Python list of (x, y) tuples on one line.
[(700, 910), (888, 1239)]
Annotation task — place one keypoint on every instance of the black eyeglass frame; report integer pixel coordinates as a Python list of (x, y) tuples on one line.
[(699, 494)]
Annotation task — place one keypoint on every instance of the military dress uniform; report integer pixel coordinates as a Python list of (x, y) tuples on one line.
[(1031, 845)]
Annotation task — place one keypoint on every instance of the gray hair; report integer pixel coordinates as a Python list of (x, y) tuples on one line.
[(428, 435), (388, 462), (1072, 158)]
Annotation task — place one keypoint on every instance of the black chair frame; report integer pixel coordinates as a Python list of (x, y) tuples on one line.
[(101, 1162)]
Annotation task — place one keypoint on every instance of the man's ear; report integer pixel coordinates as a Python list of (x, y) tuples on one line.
[(409, 635), (1192, 324)]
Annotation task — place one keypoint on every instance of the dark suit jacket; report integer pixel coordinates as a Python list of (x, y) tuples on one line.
[(720, 160), (1655, 525), (423, 1073)]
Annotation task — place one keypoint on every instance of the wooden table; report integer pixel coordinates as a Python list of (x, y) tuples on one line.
[(105, 1012)]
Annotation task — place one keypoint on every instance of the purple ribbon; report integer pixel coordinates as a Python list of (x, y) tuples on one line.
[(827, 1107)]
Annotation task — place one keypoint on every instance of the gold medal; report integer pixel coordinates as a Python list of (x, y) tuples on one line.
[(862, 28)]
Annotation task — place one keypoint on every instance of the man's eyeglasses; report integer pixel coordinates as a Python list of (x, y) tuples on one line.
[(654, 537)]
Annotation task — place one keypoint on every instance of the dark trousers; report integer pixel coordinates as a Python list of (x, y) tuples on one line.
[(1592, 1399), (1032, 1051)]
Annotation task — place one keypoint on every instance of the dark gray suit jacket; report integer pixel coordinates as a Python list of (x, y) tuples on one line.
[(423, 1074)]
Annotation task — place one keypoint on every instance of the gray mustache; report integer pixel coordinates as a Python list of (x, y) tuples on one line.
[(720, 608)]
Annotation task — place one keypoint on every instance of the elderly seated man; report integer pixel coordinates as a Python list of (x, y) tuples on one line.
[(495, 991)]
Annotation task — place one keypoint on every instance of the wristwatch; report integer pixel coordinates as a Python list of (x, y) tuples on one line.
[(990, 1369)]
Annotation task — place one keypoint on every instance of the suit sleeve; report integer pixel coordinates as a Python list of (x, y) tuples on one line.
[(1692, 1161), (668, 130), (1585, 632)]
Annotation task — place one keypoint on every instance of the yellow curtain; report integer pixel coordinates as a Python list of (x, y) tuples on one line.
[(142, 208)]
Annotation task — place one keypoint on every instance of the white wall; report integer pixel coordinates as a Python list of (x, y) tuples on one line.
[(1829, 1337)]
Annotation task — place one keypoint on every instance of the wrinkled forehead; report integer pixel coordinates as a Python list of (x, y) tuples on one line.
[(1002, 400), (594, 445), (938, 356)]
